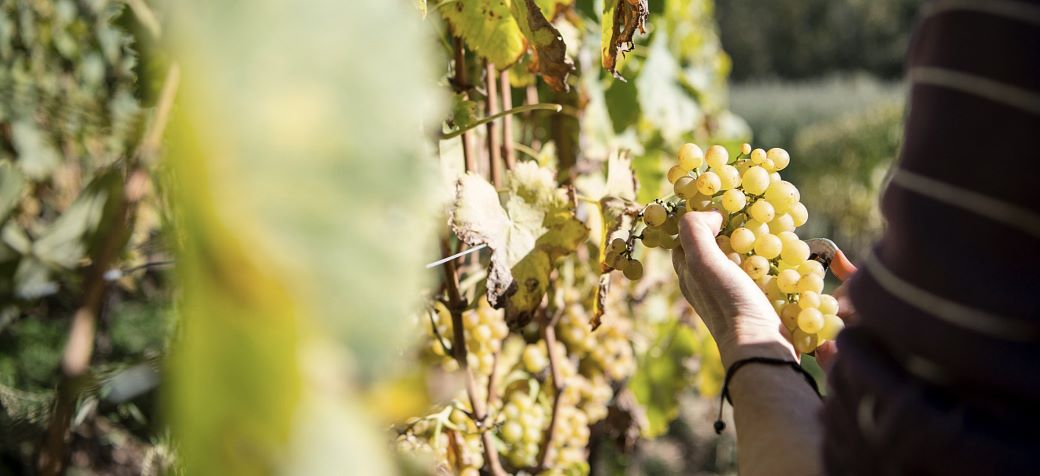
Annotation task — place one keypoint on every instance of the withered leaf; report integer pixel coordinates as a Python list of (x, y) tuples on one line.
[(550, 52), (621, 18)]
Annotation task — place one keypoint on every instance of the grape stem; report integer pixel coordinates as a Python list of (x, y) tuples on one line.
[(479, 416), (436, 332), (549, 335)]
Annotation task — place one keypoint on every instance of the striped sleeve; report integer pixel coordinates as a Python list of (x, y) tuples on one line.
[(949, 301)]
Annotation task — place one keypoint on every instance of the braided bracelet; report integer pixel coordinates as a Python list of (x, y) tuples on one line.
[(724, 397)]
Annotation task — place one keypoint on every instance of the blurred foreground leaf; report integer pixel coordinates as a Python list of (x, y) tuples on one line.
[(301, 187)]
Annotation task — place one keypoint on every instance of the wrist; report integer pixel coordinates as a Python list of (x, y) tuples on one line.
[(762, 343)]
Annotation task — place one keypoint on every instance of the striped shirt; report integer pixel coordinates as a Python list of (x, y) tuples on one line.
[(942, 373)]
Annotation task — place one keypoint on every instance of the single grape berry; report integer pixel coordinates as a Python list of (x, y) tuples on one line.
[(709, 183), (618, 245), (780, 158), (758, 156), (655, 214), (734, 200), (742, 240), (685, 187), (832, 325), (633, 270), (809, 299), (795, 252), (762, 211), (675, 172), (755, 181), (756, 266), (717, 156), (782, 195), (828, 304), (788, 281), (799, 214), (780, 223), (768, 246), (690, 157), (811, 267), (810, 320), (811, 282)]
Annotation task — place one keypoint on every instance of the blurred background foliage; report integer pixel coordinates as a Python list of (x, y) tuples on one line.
[(79, 86)]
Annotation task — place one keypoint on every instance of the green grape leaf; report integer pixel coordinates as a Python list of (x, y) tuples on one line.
[(36, 155), (550, 52), (65, 241), (11, 184), (463, 111), (662, 376), (662, 99), (620, 21), (33, 279), (622, 102), (488, 28)]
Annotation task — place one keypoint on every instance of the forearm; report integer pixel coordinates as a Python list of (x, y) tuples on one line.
[(776, 413)]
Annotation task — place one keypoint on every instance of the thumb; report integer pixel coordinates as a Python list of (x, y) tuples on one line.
[(697, 231)]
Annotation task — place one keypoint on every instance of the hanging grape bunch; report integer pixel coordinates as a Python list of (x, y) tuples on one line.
[(761, 212)]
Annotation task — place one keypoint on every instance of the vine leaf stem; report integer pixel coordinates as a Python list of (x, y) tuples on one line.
[(515, 110), (456, 306), (549, 334)]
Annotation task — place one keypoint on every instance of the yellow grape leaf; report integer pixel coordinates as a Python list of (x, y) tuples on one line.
[(528, 228), (617, 209), (551, 8), (550, 52), (621, 19), (621, 182), (488, 28), (565, 233), (510, 230)]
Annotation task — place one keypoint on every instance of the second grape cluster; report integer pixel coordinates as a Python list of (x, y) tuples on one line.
[(761, 212)]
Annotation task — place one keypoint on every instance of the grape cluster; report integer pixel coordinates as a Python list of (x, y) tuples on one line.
[(761, 212), (522, 430), (608, 350), (485, 329)]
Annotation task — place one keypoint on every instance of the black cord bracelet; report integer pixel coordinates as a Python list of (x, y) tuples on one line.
[(724, 397)]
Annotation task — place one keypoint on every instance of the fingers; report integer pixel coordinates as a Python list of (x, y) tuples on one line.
[(825, 355), (845, 310), (697, 231), (842, 268)]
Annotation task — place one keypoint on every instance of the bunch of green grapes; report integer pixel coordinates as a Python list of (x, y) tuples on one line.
[(523, 427), (469, 457), (761, 212), (607, 350), (485, 329), (570, 438)]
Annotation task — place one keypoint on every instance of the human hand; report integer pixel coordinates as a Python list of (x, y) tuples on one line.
[(736, 312)]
